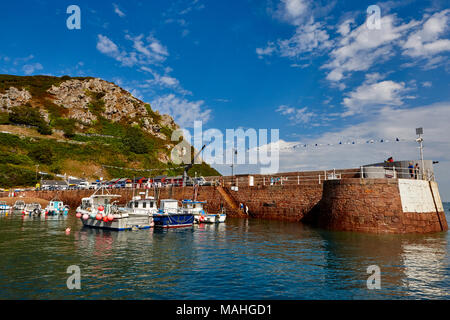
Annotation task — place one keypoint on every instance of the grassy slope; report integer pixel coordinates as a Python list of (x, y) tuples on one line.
[(22, 152)]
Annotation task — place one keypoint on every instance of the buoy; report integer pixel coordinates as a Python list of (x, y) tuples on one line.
[(101, 208), (105, 219), (98, 216), (110, 217), (93, 215), (85, 216), (67, 230), (23, 212), (78, 215)]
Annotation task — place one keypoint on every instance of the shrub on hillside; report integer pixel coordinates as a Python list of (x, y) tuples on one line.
[(30, 116), (135, 141), (42, 154)]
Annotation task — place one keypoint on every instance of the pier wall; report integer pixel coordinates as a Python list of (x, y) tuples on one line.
[(382, 206)]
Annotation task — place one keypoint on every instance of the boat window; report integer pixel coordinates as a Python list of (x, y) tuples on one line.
[(136, 204), (151, 204), (144, 204)]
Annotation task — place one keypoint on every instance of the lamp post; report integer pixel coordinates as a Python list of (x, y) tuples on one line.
[(234, 151), (419, 140)]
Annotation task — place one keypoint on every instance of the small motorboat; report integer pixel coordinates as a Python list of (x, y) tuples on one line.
[(4, 207), (170, 215), (200, 214), (32, 209), (19, 205), (56, 208)]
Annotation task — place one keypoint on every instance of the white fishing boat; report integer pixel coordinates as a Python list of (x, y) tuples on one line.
[(101, 211), (200, 214), (56, 208), (143, 205), (32, 209), (19, 205)]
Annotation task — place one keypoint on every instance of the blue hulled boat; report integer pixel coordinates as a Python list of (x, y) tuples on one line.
[(170, 216)]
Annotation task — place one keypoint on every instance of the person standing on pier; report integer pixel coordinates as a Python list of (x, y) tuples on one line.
[(411, 169)]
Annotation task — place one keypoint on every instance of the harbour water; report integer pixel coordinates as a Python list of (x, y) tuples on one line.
[(241, 259)]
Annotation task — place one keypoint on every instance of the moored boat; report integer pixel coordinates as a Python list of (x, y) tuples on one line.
[(4, 207), (19, 205), (56, 208), (169, 215), (101, 211), (32, 209), (200, 214)]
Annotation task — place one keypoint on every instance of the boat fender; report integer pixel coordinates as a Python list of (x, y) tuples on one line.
[(85, 216)]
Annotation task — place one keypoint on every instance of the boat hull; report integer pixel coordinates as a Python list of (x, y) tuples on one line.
[(210, 218), (173, 220), (120, 224)]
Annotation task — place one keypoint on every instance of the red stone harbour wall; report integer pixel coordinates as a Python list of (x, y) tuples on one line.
[(375, 206), (365, 205)]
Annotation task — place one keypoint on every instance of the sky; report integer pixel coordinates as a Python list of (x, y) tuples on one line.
[(322, 72)]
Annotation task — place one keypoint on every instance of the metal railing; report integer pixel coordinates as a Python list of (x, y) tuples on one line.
[(317, 178)]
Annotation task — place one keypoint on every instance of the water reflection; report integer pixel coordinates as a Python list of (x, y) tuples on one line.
[(241, 259)]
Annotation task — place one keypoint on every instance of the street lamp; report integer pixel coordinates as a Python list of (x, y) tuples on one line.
[(419, 140), (234, 152)]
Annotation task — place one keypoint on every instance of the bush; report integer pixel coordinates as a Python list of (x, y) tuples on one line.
[(135, 141), (44, 129), (4, 118), (29, 116), (42, 154), (26, 115)]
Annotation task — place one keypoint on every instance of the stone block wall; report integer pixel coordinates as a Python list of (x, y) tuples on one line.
[(375, 206)]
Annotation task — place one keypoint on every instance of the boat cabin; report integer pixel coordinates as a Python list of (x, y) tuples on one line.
[(169, 206), (194, 206), (147, 203), (56, 204)]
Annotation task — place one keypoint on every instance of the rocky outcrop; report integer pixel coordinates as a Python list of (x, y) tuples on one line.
[(119, 105), (13, 97)]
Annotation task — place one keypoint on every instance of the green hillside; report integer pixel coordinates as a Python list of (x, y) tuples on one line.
[(63, 145)]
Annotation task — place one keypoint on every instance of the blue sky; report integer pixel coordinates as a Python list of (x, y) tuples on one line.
[(312, 69)]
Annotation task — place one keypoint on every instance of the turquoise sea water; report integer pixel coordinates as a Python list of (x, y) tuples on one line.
[(241, 259)]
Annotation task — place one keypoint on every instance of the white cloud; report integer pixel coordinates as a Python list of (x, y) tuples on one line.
[(184, 112), (148, 51), (374, 94), (307, 38), (427, 84), (29, 69), (296, 116), (163, 81), (292, 11), (118, 11), (361, 48), (267, 51), (106, 46), (345, 27), (427, 42)]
